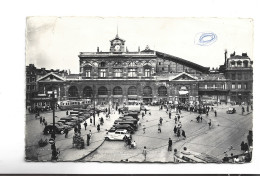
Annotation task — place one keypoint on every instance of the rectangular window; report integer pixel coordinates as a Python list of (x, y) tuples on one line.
[(206, 86), (88, 73), (102, 73), (233, 86), (27, 80), (118, 73), (132, 72), (28, 87), (32, 79), (245, 85), (239, 76), (246, 76), (239, 86), (233, 76), (147, 72), (159, 63)]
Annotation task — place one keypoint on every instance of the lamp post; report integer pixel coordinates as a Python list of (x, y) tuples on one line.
[(53, 147)]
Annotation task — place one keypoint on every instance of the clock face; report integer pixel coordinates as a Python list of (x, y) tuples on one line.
[(117, 47)]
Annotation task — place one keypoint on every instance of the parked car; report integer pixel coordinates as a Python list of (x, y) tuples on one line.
[(125, 126), (119, 134), (231, 111), (57, 129), (62, 125), (123, 122)]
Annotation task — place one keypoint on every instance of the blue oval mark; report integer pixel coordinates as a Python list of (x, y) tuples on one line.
[(205, 39)]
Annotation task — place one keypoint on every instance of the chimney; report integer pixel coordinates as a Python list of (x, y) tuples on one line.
[(139, 49), (97, 49), (225, 57)]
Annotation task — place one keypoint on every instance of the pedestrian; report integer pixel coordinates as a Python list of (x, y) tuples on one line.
[(67, 112), (90, 133), (183, 134), (145, 110), (75, 129), (159, 128), (247, 108), (207, 113), (150, 113), (144, 153), (242, 146), (251, 107), (209, 123), (88, 139), (179, 117), (170, 115), (212, 108), (170, 145), (246, 148), (201, 118), (198, 118), (41, 120), (161, 120), (85, 125), (90, 120), (175, 130), (178, 133), (143, 129), (142, 115), (45, 123), (98, 127), (175, 156), (175, 119), (66, 131), (215, 113)]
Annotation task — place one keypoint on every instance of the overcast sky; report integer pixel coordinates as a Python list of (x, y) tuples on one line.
[(54, 43)]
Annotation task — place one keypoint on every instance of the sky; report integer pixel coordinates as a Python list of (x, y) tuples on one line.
[(55, 42)]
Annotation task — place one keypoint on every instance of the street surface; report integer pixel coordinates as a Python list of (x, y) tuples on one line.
[(227, 130)]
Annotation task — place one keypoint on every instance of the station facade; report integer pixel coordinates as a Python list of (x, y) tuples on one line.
[(148, 76)]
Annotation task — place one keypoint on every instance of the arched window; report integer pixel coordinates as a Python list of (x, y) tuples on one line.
[(132, 90), (117, 91), (245, 63), (87, 92), (147, 71), (87, 70), (239, 63), (147, 91), (73, 91), (162, 91), (102, 91)]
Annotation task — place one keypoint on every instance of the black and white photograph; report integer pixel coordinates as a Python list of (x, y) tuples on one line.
[(139, 90)]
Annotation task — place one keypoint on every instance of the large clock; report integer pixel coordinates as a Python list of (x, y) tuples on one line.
[(117, 48)]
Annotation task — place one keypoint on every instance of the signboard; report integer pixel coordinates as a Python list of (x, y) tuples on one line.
[(51, 141)]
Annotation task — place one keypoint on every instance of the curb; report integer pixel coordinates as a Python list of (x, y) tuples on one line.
[(77, 160)]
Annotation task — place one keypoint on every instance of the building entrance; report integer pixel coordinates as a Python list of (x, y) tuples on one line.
[(184, 99), (147, 100)]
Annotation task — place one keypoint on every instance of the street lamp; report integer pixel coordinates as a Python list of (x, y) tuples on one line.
[(53, 147)]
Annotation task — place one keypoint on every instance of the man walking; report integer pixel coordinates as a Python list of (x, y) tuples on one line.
[(159, 128), (85, 125), (161, 119), (215, 113), (170, 145), (144, 153), (183, 134), (98, 127)]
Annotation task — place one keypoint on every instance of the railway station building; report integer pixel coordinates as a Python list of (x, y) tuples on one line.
[(148, 76)]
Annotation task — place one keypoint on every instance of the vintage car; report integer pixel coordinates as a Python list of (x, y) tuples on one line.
[(231, 111), (57, 129), (117, 135)]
